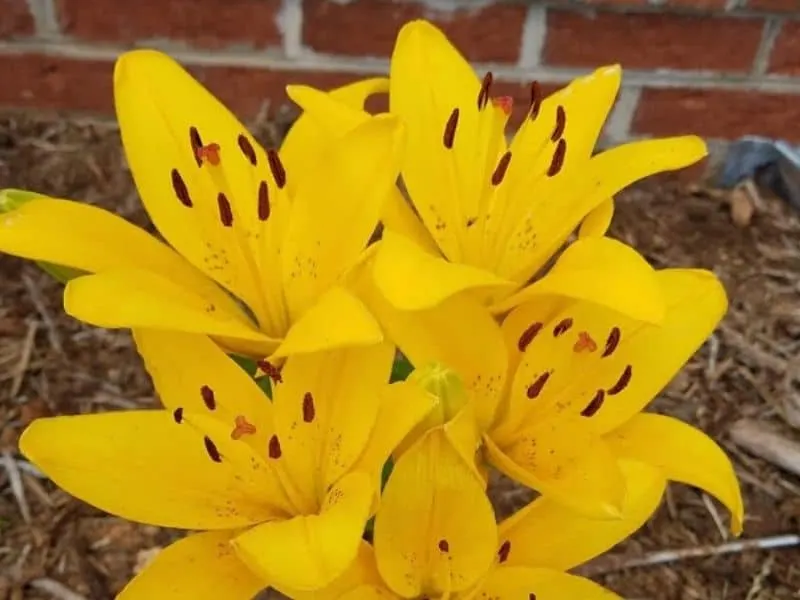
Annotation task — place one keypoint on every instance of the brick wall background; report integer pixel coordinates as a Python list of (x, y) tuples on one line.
[(719, 68)]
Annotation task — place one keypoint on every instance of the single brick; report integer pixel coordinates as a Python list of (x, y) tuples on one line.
[(652, 40)]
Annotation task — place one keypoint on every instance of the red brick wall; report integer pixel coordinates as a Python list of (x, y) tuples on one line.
[(719, 68)]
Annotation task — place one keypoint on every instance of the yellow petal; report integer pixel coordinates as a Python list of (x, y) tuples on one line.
[(428, 80), (337, 208), (309, 552), (369, 592), (591, 362), (412, 279), (598, 221), (91, 239), (603, 271), (146, 467), (584, 105), (459, 334), (402, 406), (163, 112), (508, 583), (565, 539), (331, 116), (363, 571), (145, 300), (563, 461), (337, 320), (202, 566), (357, 93), (325, 412), (320, 121), (586, 102), (191, 372), (399, 217), (684, 454), (566, 200), (435, 530), (327, 114), (696, 302)]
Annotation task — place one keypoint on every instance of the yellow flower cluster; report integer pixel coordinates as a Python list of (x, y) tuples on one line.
[(535, 350)]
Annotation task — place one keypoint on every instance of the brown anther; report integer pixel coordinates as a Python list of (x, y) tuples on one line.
[(501, 168), (527, 336), (612, 342), (622, 382), (273, 372), (274, 447), (196, 141), (558, 158), (208, 154), (531, 596), (177, 414), (444, 545), (562, 327), (536, 100), (208, 397), (276, 166), (309, 411), (594, 404), (486, 88), (502, 553), (449, 135), (561, 123), (247, 149), (584, 343), (242, 427), (263, 201), (537, 386), (212, 450), (180, 189), (505, 103), (225, 211)]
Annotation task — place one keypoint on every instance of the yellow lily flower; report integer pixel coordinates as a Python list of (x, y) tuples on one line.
[(260, 240), (282, 489), (491, 215), (436, 536), (558, 388)]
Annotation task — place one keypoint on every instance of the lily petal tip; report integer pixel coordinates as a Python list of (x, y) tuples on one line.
[(138, 63), (28, 440)]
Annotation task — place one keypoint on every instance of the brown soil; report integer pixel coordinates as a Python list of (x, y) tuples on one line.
[(50, 364)]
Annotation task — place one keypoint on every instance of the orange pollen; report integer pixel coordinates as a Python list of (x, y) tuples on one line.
[(585, 342), (242, 427), (506, 103), (208, 153)]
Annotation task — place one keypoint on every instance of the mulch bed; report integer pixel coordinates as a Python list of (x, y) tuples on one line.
[(52, 545)]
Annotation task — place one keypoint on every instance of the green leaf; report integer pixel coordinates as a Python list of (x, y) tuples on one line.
[(11, 199), (248, 365), (401, 369), (265, 383), (388, 467)]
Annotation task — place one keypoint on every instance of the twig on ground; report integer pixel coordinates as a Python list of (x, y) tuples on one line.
[(15, 482), (55, 589), (764, 442), (715, 516), (610, 563), (41, 308), (24, 359)]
